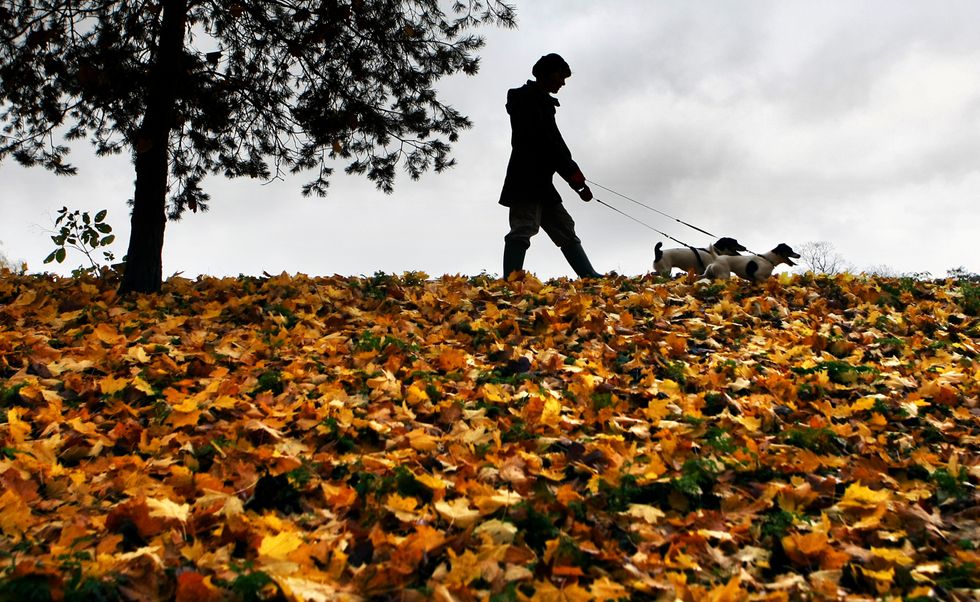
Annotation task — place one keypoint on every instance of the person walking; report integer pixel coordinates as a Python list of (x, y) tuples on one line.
[(537, 153)]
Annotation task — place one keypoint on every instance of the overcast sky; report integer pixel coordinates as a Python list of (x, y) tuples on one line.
[(851, 122)]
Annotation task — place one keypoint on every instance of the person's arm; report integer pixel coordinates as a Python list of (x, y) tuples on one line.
[(566, 167), (577, 182), (537, 133)]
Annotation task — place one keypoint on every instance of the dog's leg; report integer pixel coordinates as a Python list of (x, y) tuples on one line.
[(716, 271), (658, 261)]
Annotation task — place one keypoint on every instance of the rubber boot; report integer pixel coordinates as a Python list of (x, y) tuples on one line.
[(579, 261), (513, 258)]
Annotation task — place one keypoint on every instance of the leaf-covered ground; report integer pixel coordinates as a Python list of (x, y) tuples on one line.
[(469, 439)]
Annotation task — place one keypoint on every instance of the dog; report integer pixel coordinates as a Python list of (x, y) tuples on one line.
[(690, 258), (751, 267)]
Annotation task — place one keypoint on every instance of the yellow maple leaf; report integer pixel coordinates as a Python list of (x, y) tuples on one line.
[(883, 579), (859, 496), (551, 414), (751, 423), (194, 551), (31, 392), (110, 384), (605, 588), (137, 354), (730, 592), (405, 508), (165, 508), (465, 568), (667, 386), (805, 545), (18, 429), (179, 401), (497, 531), (545, 591), (15, 515), (894, 555), (108, 334), (416, 394), (865, 403), (657, 410), (224, 402), (310, 590), (451, 358), (142, 386), (182, 419), (488, 503), (493, 393), (650, 514), (422, 441), (457, 512), (280, 545)]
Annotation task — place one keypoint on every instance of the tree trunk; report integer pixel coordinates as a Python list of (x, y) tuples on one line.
[(144, 259)]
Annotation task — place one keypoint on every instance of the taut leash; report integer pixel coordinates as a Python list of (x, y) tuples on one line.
[(654, 209), (642, 223)]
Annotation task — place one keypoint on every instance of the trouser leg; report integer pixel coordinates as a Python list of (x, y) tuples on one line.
[(560, 227), (525, 221)]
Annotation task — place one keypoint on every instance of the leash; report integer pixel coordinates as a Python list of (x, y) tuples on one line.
[(654, 209), (642, 223), (697, 254)]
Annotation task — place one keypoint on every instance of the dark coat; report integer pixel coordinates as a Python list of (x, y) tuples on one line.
[(537, 148)]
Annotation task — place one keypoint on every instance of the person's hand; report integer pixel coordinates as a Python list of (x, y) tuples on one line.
[(585, 194), (577, 180)]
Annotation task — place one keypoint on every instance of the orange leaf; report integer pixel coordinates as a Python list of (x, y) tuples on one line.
[(15, 515), (195, 587), (567, 571), (451, 359), (803, 549)]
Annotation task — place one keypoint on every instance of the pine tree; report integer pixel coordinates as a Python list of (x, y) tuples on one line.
[(241, 88)]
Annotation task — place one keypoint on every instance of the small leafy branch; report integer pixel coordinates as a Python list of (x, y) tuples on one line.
[(84, 233)]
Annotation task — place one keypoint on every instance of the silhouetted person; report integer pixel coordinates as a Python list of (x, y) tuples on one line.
[(538, 152)]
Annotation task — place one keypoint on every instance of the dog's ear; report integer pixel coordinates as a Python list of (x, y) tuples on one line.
[(657, 253), (751, 268)]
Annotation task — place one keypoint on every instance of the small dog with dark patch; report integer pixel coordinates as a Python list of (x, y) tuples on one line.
[(751, 267), (691, 258)]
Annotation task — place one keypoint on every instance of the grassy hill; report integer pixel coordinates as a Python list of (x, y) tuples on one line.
[(467, 439)]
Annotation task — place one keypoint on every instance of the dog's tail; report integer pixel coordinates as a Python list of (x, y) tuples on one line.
[(657, 253)]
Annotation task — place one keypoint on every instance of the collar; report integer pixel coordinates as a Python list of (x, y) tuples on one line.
[(537, 88)]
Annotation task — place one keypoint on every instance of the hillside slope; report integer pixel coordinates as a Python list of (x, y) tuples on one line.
[(468, 439)]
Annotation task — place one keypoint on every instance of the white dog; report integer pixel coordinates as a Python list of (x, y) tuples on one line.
[(690, 258), (751, 267)]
